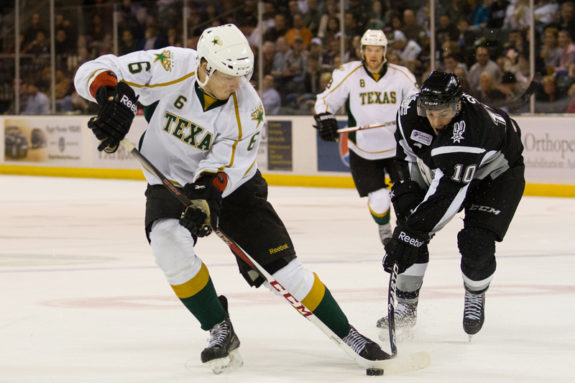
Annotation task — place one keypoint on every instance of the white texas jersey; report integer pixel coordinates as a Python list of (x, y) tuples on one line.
[(183, 140), (369, 102)]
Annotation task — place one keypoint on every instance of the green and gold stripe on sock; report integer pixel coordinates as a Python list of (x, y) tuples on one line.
[(200, 298), (320, 301), (380, 219)]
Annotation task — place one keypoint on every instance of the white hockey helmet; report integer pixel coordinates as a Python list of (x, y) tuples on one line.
[(226, 49), (374, 37)]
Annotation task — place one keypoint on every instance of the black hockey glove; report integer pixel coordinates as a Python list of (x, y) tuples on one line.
[(117, 110), (206, 195), (403, 248), (327, 126), (405, 196)]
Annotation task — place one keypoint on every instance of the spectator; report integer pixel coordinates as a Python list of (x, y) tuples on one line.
[(550, 51), (268, 53), (481, 15), (127, 44), (548, 91), (451, 62), (330, 11), (517, 15), (567, 51), (35, 102), (545, 11), (174, 38), (567, 17), (465, 41), (332, 29), (375, 20), (298, 30), (446, 30), (312, 17), (512, 89), (152, 39), (269, 14), (63, 44), (312, 84), (407, 50), (279, 65), (497, 14), (270, 96), (316, 50), (410, 28), (350, 25), (296, 62), (278, 30), (483, 64), (488, 92), (40, 45), (31, 33)]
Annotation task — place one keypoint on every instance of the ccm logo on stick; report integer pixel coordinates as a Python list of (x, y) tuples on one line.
[(290, 298)]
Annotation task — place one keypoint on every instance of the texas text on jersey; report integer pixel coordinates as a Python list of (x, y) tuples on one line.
[(479, 142)]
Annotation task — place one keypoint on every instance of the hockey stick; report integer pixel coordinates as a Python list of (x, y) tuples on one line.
[(414, 362), (373, 126), (391, 300)]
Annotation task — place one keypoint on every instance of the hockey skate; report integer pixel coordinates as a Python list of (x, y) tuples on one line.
[(473, 312), (222, 353), (405, 316), (385, 233), (364, 347)]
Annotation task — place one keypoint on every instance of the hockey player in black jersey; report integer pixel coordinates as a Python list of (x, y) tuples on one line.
[(456, 154)]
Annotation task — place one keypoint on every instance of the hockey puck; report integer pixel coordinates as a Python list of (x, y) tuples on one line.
[(374, 371)]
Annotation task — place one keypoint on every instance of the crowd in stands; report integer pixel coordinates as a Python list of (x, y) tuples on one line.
[(484, 42)]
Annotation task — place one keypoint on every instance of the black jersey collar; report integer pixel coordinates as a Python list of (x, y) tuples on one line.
[(200, 93)]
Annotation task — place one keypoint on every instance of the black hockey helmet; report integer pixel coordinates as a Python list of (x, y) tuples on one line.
[(440, 90)]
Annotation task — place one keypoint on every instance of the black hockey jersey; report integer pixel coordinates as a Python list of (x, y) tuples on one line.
[(479, 142)]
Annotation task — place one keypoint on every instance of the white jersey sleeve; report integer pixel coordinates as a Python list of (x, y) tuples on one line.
[(147, 72), (337, 91)]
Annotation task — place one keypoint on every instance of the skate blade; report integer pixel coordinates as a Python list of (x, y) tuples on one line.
[(404, 364), (227, 364)]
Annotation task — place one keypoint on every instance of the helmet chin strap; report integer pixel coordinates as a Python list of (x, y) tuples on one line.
[(201, 83)]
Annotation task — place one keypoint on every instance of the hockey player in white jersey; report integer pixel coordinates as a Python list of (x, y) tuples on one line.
[(372, 91), (205, 123)]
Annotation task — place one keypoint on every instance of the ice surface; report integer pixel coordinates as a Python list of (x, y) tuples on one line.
[(81, 299)]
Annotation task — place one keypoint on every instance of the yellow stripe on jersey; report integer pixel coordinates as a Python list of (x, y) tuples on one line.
[(194, 285), (240, 134), (315, 295), (250, 168), (162, 83), (400, 71)]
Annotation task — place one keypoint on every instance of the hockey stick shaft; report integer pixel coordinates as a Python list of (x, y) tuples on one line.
[(238, 251), (391, 300), (365, 127)]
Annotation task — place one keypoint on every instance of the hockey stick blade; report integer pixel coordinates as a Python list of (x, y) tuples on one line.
[(365, 127), (391, 366)]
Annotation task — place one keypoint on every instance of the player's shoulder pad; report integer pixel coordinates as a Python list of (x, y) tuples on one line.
[(403, 71), (249, 104)]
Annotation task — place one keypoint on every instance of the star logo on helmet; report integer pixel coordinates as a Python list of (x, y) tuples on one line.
[(216, 41)]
